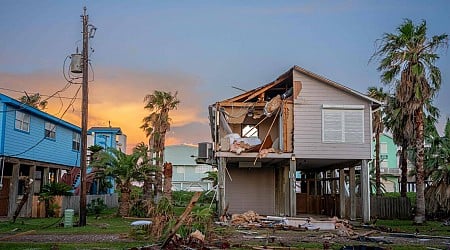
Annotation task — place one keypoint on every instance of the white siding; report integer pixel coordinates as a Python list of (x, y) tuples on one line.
[(308, 122)]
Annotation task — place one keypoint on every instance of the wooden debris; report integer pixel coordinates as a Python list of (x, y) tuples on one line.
[(245, 218), (182, 218)]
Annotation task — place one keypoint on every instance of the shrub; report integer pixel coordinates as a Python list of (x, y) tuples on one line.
[(96, 206)]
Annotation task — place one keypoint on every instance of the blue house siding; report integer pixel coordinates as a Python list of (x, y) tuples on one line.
[(34, 146), (2, 127)]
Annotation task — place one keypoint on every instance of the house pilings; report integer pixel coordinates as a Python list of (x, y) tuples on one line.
[(292, 193), (352, 192), (13, 191), (365, 191), (221, 185)]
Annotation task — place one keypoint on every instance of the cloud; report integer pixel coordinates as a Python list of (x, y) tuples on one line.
[(116, 98)]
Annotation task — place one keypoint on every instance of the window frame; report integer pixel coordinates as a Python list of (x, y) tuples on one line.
[(50, 133), (250, 134), (20, 120), (341, 113), (76, 141)]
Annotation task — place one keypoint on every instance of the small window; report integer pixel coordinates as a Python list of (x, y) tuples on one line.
[(383, 148), (201, 169), (50, 130), (180, 170), (22, 121), (76, 141), (384, 164), (249, 131)]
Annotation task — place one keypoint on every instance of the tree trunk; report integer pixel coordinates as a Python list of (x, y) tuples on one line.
[(420, 185), (147, 188), (182, 218), (159, 162), (124, 202), (404, 167), (377, 164), (168, 180)]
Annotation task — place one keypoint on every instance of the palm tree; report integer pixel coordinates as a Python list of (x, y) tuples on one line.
[(437, 165), (409, 56), (401, 124), (156, 125), (124, 169), (378, 128)]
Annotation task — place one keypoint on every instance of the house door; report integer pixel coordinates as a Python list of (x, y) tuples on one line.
[(4, 197)]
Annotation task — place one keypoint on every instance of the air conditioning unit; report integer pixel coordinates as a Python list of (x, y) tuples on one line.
[(204, 150)]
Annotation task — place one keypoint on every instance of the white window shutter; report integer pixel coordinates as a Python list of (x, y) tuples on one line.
[(354, 126), (343, 125), (332, 125)]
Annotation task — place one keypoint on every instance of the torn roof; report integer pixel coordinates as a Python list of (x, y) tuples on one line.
[(249, 95)]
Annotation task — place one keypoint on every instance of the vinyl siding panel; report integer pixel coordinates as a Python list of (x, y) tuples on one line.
[(32, 145), (308, 122), (251, 189)]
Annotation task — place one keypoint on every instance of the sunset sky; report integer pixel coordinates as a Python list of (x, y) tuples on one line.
[(202, 49)]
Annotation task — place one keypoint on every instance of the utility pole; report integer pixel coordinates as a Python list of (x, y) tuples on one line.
[(84, 118)]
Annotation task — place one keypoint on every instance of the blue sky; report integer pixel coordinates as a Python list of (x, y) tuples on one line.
[(200, 49)]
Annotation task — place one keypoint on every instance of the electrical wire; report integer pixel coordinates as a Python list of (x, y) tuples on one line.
[(41, 140), (21, 91)]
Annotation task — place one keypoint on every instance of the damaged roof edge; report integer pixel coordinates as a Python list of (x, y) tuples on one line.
[(248, 95)]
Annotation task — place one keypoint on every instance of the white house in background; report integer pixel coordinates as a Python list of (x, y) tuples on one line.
[(187, 174)]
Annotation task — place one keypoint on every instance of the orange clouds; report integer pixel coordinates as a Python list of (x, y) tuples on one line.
[(116, 97)]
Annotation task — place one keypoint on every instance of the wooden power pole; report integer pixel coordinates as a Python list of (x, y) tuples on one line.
[(84, 118)]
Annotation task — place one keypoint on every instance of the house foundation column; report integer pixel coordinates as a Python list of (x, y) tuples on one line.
[(342, 193), (13, 191), (352, 193), (221, 185), (29, 206), (45, 178), (292, 195), (365, 191)]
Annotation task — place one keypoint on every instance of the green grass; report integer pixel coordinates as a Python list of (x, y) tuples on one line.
[(107, 223), (71, 246), (406, 226)]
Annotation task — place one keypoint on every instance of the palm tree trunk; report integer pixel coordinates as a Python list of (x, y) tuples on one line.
[(124, 203), (377, 164), (158, 175), (404, 168), (168, 180), (420, 185)]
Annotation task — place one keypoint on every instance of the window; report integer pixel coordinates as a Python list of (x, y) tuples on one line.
[(383, 148), (22, 121), (50, 130), (384, 164), (249, 131), (180, 170), (76, 141), (201, 169), (343, 123)]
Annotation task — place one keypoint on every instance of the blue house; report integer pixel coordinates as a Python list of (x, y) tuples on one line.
[(34, 144), (106, 137)]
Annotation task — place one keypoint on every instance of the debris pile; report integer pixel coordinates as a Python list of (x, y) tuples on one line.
[(248, 217)]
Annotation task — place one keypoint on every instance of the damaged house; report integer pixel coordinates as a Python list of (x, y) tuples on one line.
[(294, 146)]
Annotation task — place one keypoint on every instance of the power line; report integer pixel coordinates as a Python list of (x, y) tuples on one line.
[(51, 96), (41, 140)]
